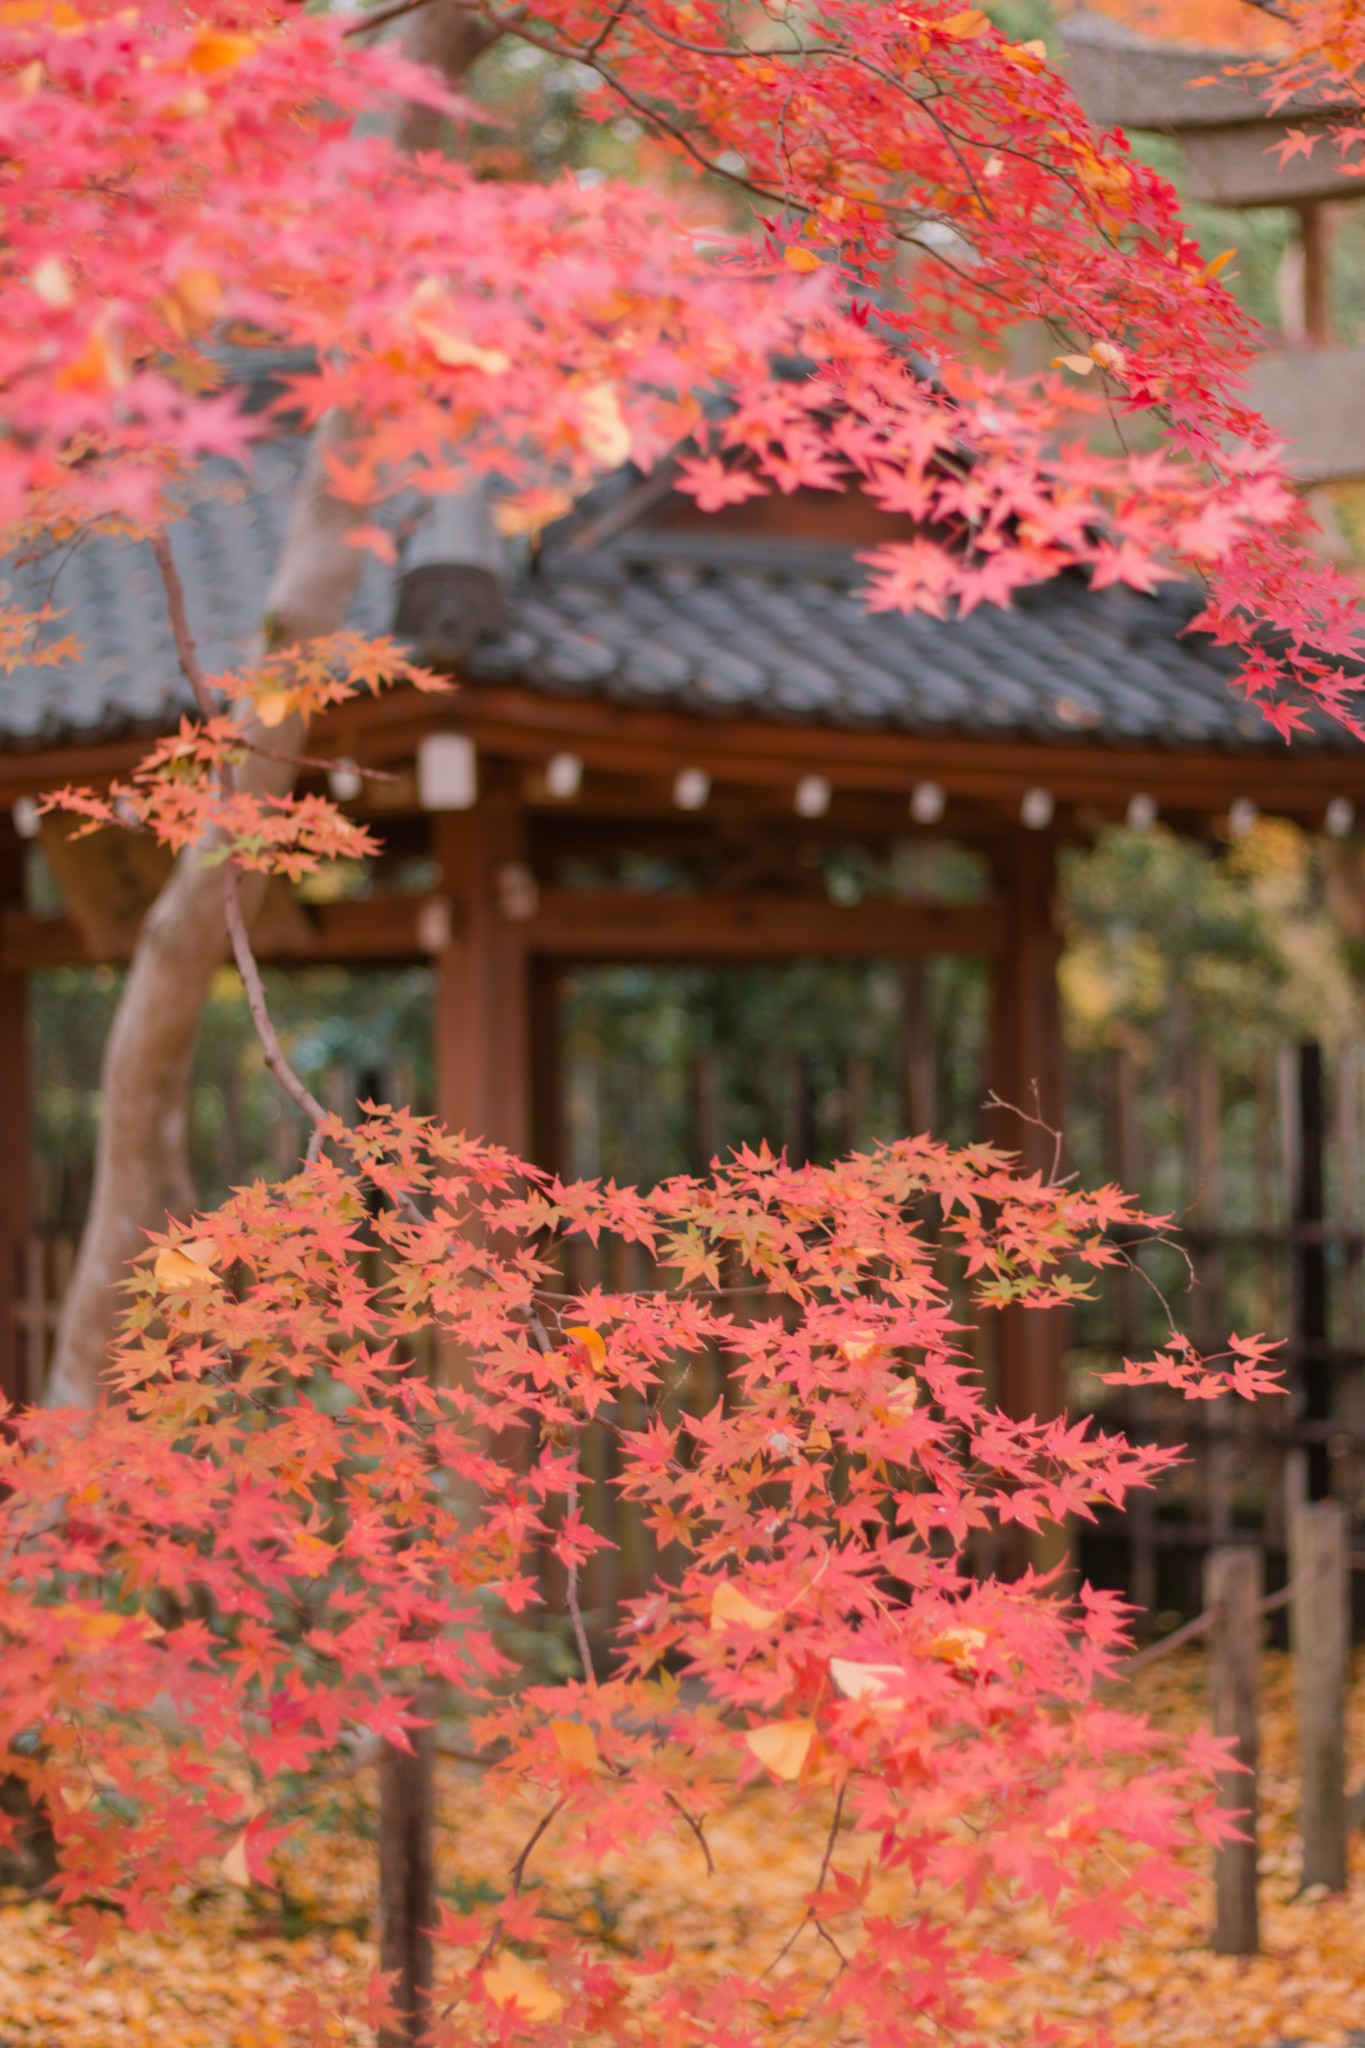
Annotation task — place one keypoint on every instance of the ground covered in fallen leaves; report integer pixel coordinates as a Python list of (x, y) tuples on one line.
[(224, 1973)]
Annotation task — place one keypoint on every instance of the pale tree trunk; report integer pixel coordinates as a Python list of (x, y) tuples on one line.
[(142, 1169), (142, 1165)]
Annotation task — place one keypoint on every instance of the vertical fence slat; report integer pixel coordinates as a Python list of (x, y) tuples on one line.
[(1319, 1561), (1232, 1589), (1125, 1140), (1312, 1361), (1206, 1308)]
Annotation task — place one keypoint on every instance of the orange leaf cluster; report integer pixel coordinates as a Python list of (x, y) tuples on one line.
[(285, 1530)]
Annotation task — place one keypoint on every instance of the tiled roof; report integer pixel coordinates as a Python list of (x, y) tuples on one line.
[(698, 621)]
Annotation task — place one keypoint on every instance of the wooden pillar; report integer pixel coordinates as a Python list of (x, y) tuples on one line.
[(1320, 1634), (483, 1053), (1025, 1070), (408, 1906), (1312, 1356), (547, 1143), (1232, 1590), (16, 1172), (1315, 237)]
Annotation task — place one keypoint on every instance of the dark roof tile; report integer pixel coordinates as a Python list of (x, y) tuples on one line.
[(693, 621)]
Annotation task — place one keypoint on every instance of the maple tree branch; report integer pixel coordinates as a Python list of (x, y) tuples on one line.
[(541, 1337), (518, 1872), (187, 654), (994, 1101), (810, 1914), (697, 1829), (325, 762)]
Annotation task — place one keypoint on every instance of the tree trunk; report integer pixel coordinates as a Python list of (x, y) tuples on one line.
[(142, 1168), (142, 1163), (407, 1883), (142, 1171)]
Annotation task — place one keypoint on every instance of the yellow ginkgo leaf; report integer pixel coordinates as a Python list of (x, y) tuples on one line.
[(219, 50), (576, 1743), (802, 260), (1108, 355), (592, 1343), (52, 281), (782, 1745), (235, 1865), (603, 429), (731, 1604), (958, 1645), (96, 1623), (868, 1683), (510, 1981), (189, 1264), (457, 352), (274, 706), (971, 22), (1082, 365)]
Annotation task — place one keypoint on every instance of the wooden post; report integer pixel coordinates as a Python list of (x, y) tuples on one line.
[(1025, 1071), (1204, 1161), (1312, 1357), (917, 1048), (482, 1087), (407, 1885), (545, 999), (1232, 1589), (1319, 1565), (15, 1190), (1315, 238), (483, 975), (1140, 1518)]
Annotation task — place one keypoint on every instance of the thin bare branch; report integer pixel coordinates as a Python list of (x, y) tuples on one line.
[(541, 1338), (519, 1867), (696, 1828), (994, 1101), (810, 1914), (188, 655)]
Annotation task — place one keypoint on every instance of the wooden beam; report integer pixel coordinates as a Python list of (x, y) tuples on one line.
[(1311, 397), (516, 724), (563, 924), (624, 924), (367, 931), (756, 756), (1239, 165)]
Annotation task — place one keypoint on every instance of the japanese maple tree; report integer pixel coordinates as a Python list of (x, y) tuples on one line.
[(278, 1531), (281, 1532)]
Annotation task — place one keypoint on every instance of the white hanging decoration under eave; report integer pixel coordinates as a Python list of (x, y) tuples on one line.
[(564, 776), (691, 788), (345, 782), (1142, 810), (1340, 818), (928, 800), (1036, 809), (25, 817), (812, 796), (1242, 815), (447, 772)]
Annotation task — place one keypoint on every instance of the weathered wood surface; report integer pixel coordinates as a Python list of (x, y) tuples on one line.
[(1232, 1592), (1321, 1638)]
